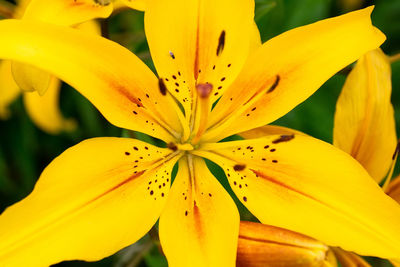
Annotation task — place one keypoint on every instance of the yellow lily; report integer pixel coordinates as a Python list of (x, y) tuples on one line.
[(44, 109), (105, 193)]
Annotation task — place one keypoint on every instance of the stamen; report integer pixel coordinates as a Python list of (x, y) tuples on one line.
[(283, 138), (221, 43), (172, 146), (204, 90), (202, 109), (181, 147), (161, 85), (172, 54), (275, 84)]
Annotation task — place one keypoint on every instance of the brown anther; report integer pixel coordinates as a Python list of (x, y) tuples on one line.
[(283, 138), (221, 43), (162, 87), (204, 89), (275, 84), (172, 146)]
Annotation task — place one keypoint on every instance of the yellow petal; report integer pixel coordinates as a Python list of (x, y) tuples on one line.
[(90, 27), (93, 200), (9, 90), (204, 40), (66, 12), (30, 79), (348, 259), (60, 12), (268, 130), (264, 245), (200, 223), (121, 86), (45, 111), (287, 69), (364, 119), (305, 185)]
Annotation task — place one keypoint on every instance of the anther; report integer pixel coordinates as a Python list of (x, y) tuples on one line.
[(221, 43), (275, 84), (161, 85), (283, 138), (172, 146)]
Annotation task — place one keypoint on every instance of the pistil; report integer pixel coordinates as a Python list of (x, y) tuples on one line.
[(202, 110)]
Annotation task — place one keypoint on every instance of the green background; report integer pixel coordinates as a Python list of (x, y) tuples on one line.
[(25, 150)]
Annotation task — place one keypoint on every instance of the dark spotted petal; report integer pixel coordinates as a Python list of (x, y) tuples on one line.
[(93, 200), (207, 41), (122, 87), (308, 186), (287, 69), (200, 224)]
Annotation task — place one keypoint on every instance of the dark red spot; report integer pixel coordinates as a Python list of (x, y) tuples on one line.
[(239, 167)]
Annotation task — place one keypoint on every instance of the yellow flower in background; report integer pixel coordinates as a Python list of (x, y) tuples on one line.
[(365, 124), (44, 108), (106, 193), (364, 120)]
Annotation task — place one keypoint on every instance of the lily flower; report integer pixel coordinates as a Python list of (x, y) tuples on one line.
[(44, 108), (106, 193)]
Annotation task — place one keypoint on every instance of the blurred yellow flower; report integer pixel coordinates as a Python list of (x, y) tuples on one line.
[(44, 108)]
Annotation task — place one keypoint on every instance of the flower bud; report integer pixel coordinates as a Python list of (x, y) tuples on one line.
[(264, 245)]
